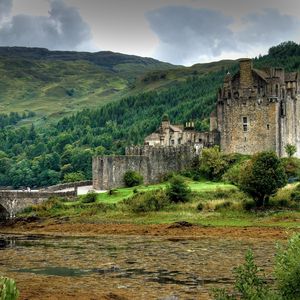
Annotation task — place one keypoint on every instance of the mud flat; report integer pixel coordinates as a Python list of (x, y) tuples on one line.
[(61, 260)]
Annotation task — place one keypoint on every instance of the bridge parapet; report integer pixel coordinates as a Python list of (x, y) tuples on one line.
[(12, 202)]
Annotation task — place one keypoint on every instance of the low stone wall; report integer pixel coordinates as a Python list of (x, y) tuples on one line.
[(64, 186), (151, 162), (12, 202)]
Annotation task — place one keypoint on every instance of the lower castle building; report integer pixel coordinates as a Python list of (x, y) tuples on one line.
[(256, 110)]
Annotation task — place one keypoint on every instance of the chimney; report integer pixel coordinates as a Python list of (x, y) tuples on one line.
[(246, 73)]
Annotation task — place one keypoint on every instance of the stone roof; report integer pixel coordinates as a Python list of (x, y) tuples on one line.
[(262, 74), (153, 137), (291, 76), (175, 128)]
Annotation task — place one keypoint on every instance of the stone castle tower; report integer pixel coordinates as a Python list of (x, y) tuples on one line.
[(258, 110)]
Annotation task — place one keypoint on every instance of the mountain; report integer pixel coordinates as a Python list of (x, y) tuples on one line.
[(46, 153), (53, 84)]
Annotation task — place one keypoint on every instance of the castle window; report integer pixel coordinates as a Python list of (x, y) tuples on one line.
[(268, 126), (172, 142), (282, 109), (245, 124)]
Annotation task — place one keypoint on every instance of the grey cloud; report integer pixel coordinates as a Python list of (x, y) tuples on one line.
[(268, 27), (186, 33), (5, 8), (62, 29)]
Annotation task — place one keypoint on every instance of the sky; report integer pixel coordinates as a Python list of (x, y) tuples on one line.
[(181, 32)]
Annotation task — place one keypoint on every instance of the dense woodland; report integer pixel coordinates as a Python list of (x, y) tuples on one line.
[(41, 156)]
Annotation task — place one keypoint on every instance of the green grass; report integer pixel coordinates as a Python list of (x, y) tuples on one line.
[(123, 193), (110, 209)]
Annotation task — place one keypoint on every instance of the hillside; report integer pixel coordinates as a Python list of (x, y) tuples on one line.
[(44, 155), (53, 84)]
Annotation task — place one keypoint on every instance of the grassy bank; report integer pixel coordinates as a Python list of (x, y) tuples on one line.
[(210, 204)]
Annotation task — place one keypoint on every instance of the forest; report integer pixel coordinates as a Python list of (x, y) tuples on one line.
[(39, 156)]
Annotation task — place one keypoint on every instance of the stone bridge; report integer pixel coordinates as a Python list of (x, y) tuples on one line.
[(12, 202)]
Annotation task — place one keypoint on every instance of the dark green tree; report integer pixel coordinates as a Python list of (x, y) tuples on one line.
[(178, 190), (262, 176), (132, 178)]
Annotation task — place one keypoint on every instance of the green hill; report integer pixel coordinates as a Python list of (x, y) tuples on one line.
[(48, 153), (53, 84)]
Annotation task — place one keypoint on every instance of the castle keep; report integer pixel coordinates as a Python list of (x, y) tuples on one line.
[(256, 110)]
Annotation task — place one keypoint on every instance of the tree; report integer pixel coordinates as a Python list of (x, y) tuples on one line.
[(290, 149), (178, 190), (132, 178), (212, 163), (262, 176), (74, 176)]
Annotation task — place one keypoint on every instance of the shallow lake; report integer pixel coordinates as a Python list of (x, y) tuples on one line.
[(136, 267)]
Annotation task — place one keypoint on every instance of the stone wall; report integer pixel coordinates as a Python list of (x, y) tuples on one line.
[(63, 186), (12, 202), (151, 162), (262, 129)]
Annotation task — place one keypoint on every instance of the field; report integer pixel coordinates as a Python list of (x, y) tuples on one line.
[(214, 197)]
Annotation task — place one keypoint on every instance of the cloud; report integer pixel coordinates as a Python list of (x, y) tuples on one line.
[(5, 9), (188, 35), (62, 29), (268, 27)]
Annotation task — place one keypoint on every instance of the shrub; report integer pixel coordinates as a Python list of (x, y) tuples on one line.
[(90, 197), (178, 190), (262, 176), (290, 150), (249, 205), (212, 163), (8, 289), (287, 269), (249, 284), (223, 205), (148, 201), (292, 167), (73, 177), (112, 192), (132, 178), (232, 175), (200, 206)]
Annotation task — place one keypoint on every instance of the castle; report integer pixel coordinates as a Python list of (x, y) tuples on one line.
[(256, 110)]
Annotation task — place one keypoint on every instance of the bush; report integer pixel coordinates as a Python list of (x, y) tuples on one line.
[(249, 205), (73, 177), (223, 205), (287, 269), (232, 175), (292, 167), (262, 176), (200, 206), (132, 178), (290, 150), (148, 201), (90, 197), (249, 284), (8, 289), (212, 163), (178, 190)]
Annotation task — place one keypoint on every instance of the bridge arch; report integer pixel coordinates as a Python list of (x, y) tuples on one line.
[(4, 213)]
